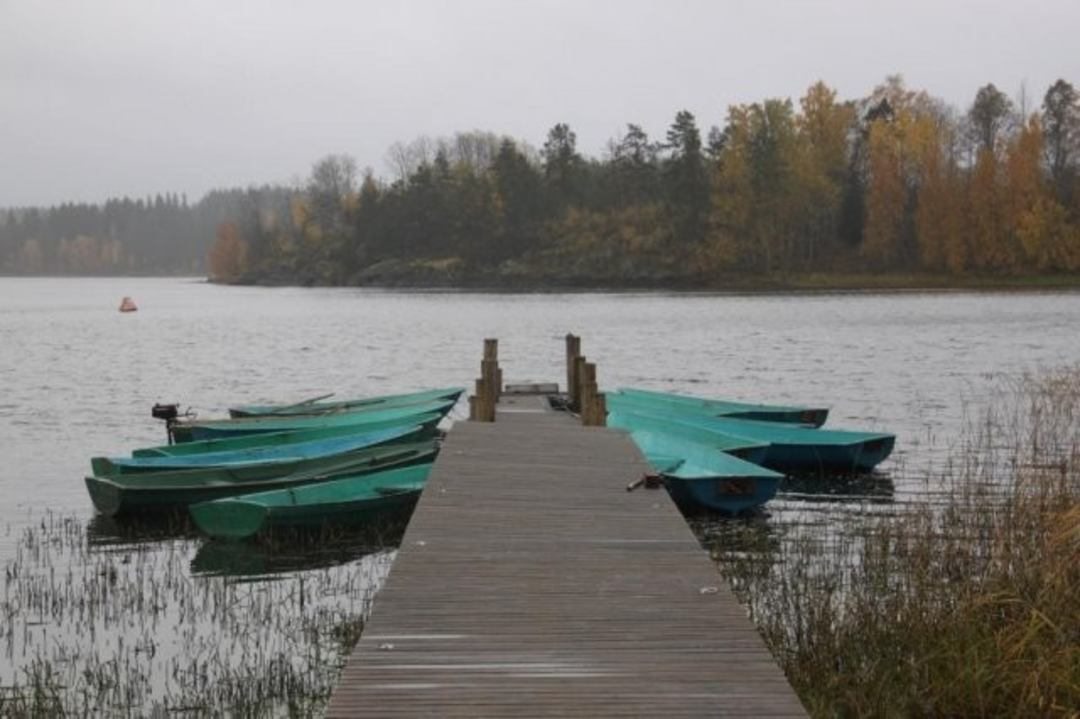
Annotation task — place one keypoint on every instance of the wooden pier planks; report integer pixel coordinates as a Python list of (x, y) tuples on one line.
[(531, 583)]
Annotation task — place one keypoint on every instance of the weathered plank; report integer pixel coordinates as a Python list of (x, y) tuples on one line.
[(531, 583)]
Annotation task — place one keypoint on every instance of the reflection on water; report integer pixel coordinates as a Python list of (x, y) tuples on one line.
[(736, 535), (300, 553), (876, 487), (105, 533), (798, 502)]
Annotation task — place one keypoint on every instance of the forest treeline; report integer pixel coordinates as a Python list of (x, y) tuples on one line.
[(157, 235), (897, 182)]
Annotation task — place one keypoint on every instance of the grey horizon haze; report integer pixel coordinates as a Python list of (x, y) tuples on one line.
[(108, 98)]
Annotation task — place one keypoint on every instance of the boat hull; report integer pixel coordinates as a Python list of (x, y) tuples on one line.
[(700, 476), (728, 495), (349, 405), (350, 502), (823, 459), (749, 450), (171, 491), (221, 429), (810, 416), (798, 450), (427, 422), (257, 459)]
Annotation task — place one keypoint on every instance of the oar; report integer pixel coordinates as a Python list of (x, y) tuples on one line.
[(647, 480), (313, 400)]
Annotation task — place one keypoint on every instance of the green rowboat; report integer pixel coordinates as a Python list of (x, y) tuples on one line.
[(262, 457), (348, 405), (352, 501), (163, 491), (218, 429), (813, 416), (427, 422)]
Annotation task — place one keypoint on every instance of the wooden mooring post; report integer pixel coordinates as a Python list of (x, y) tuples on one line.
[(579, 379), (593, 404), (488, 386), (583, 395), (573, 351), (597, 411)]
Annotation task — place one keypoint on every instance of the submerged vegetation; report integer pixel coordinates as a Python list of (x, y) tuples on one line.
[(966, 604), (896, 187), (152, 621)]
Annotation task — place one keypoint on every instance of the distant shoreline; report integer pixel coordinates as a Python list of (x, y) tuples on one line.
[(790, 284)]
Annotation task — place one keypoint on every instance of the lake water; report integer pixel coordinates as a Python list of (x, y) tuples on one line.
[(77, 379)]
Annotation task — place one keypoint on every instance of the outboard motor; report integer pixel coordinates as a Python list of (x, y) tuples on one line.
[(168, 413)]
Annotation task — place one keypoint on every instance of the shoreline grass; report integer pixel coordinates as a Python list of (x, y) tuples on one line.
[(966, 605)]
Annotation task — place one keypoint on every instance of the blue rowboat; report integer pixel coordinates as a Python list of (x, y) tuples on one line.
[(699, 475), (222, 428), (239, 459), (315, 406), (812, 416), (350, 501)]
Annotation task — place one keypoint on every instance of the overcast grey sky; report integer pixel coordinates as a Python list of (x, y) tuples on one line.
[(110, 98)]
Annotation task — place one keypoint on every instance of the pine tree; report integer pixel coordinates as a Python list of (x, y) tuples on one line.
[(687, 181)]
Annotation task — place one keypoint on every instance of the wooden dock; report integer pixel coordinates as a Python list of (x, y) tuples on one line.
[(531, 583)]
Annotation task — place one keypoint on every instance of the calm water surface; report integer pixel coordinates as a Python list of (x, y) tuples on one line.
[(77, 378)]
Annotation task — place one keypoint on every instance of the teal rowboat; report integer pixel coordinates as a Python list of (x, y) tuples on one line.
[(163, 491), (352, 501), (791, 448), (218, 429), (698, 475), (427, 423), (241, 459), (348, 405), (813, 416), (750, 450)]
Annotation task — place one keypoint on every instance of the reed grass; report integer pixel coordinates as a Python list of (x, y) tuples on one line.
[(153, 622), (965, 604)]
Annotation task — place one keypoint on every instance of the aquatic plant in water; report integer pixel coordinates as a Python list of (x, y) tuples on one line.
[(159, 622)]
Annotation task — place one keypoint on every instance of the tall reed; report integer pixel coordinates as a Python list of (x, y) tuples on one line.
[(965, 604), (153, 622)]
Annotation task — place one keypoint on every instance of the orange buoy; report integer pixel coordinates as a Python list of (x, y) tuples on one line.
[(128, 305)]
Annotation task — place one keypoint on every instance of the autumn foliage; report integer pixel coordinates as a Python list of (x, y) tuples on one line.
[(896, 182), (227, 260)]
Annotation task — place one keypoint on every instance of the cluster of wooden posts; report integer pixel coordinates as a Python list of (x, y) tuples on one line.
[(582, 394), (581, 389), (488, 386)]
